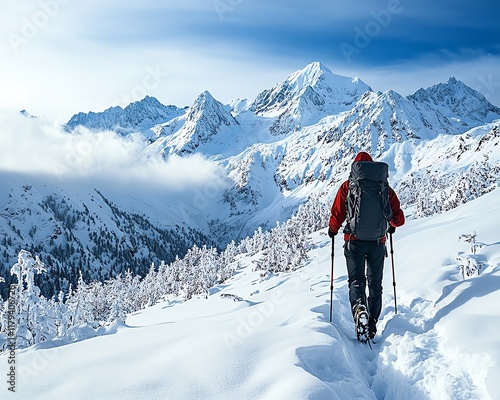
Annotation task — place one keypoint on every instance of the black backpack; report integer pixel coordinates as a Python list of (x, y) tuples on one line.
[(367, 203)]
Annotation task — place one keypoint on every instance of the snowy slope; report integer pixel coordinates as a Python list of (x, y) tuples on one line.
[(277, 342)]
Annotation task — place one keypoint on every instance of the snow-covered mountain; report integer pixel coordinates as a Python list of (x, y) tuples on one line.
[(306, 96), (77, 228), (137, 116), (293, 142), (464, 106), (316, 158), (206, 121)]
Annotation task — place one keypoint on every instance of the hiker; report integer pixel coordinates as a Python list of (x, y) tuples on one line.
[(371, 227)]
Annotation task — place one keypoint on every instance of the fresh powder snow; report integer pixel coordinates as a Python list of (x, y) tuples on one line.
[(268, 337)]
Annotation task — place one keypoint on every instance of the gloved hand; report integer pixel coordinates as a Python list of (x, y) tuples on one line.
[(331, 233), (391, 229)]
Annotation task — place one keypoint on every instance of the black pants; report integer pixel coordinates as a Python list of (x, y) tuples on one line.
[(356, 253)]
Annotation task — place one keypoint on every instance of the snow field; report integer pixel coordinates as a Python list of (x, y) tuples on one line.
[(277, 343)]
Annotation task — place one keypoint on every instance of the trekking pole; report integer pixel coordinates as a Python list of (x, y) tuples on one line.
[(393, 275), (331, 283)]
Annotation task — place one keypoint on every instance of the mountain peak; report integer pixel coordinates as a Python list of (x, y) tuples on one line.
[(204, 120), (146, 100), (455, 99), (308, 95), (317, 73), (140, 115), (308, 75), (452, 87), (203, 103), (204, 96), (206, 107), (317, 65)]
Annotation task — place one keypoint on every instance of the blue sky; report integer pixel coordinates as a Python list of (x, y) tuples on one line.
[(64, 56)]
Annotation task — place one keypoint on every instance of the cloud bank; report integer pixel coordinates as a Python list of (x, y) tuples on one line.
[(33, 146)]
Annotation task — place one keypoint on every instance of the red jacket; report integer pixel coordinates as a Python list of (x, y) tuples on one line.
[(339, 210)]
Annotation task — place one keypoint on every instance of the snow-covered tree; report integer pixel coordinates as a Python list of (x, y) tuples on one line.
[(35, 318), (477, 180), (100, 303), (77, 312), (227, 260), (469, 264), (471, 239), (287, 246), (150, 289)]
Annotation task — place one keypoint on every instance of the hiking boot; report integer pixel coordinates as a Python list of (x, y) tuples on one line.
[(372, 327)]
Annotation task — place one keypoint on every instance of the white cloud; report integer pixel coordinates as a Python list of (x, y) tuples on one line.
[(35, 147)]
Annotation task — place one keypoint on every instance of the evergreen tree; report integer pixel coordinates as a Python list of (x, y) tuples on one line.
[(35, 319)]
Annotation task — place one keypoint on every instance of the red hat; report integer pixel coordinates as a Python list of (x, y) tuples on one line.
[(363, 156)]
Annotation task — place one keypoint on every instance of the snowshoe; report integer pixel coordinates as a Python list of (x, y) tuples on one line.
[(361, 321)]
